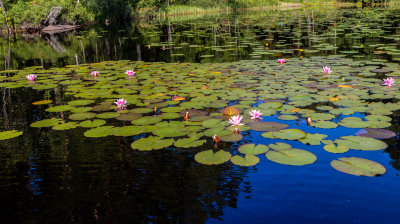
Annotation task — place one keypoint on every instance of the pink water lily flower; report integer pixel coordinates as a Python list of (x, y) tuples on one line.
[(326, 70), (255, 114), (281, 60), (130, 73), (388, 82), (121, 103), (31, 77), (95, 74), (235, 120)]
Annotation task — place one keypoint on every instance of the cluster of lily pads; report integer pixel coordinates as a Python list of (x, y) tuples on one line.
[(186, 105)]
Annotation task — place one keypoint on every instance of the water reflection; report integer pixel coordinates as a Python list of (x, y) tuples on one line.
[(228, 37)]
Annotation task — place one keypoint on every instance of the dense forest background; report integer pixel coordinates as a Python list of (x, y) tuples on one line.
[(22, 13)]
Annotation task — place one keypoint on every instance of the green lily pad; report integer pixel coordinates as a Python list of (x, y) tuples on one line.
[(376, 133), (92, 123), (9, 134), (248, 160), (82, 116), (288, 134), (147, 120), (46, 123), (287, 117), (358, 166), (231, 138), (60, 108), (65, 126), (313, 139), (108, 115), (279, 146), (252, 149), (213, 123), (170, 132), (361, 143), (80, 102), (128, 130), (151, 143), (336, 149), (102, 131), (267, 126), (324, 124), (208, 157), (189, 142), (294, 157)]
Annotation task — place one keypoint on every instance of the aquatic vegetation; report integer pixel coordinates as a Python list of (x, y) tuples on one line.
[(326, 70), (9, 134), (358, 166), (31, 77), (95, 74), (121, 103), (281, 61), (388, 82), (170, 107), (236, 120), (255, 114), (130, 73)]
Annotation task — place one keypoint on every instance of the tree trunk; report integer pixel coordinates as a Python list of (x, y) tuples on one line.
[(5, 15)]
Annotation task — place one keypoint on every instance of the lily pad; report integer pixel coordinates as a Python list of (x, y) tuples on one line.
[(208, 157), (248, 160), (102, 131), (189, 142), (82, 116), (267, 126), (361, 143), (9, 134), (288, 134), (151, 143), (65, 126), (358, 166), (294, 157), (376, 133), (92, 123), (313, 139), (252, 149), (147, 120), (128, 130), (46, 123), (336, 149)]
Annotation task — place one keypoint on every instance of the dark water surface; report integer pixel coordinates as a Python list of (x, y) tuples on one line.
[(49, 176)]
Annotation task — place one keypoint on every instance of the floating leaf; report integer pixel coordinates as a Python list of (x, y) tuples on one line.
[(208, 157), (267, 126), (92, 123), (358, 166), (147, 120), (288, 134), (65, 126), (248, 160), (60, 108), (46, 123), (295, 157), (9, 134), (313, 139), (361, 143), (82, 116), (128, 130), (252, 149), (231, 111), (42, 102), (336, 149), (376, 133), (279, 146), (189, 142), (102, 131), (151, 143), (231, 138)]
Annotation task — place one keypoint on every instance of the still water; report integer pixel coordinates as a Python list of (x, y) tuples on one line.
[(49, 176)]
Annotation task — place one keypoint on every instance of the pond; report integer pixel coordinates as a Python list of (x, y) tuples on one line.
[(159, 121)]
